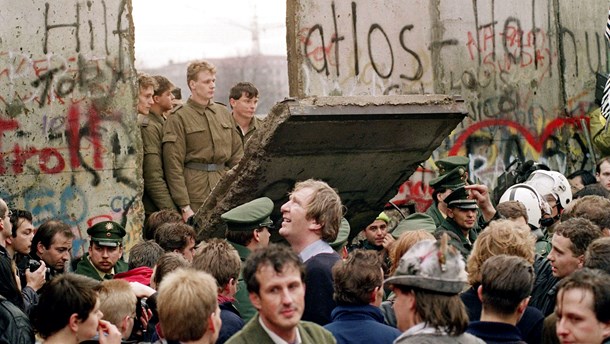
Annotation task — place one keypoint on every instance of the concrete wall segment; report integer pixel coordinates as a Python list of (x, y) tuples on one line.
[(70, 144)]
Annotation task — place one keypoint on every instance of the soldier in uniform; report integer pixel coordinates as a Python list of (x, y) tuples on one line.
[(452, 173), (156, 193), (243, 98), (248, 228), (200, 142), (103, 260), (463, 206)]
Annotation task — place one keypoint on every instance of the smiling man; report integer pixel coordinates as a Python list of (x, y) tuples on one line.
[(311, 219), (200, 143), (275, 280), (103, 260)]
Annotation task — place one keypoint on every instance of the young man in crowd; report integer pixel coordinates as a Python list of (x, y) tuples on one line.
[(582, 313), (218, 258), (188, 307), (177, 237), (311, 219), (358, 284), (506, 285), (275, 277)]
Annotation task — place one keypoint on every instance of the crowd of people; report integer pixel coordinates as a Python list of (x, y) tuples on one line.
[(528, 267)]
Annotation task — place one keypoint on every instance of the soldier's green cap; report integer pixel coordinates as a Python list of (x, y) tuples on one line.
[(414, 222), (452, 180), (344, 230), (107, 233), (459, 198), (250, 216), (449, 163)]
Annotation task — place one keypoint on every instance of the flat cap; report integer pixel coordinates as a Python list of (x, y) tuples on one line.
[(107, 233), (250, 216), (460, 198)]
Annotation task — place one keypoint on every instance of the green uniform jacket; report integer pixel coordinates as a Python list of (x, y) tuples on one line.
[(599, 134), (85, 268), (465, 245), (255, 124), (253, 333), (198, 134), (242, 297), (435, 214), (156, 193)]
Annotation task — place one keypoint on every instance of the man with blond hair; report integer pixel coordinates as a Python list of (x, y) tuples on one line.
[(200, 142), (188, 309), (310, 220), (118, 304)]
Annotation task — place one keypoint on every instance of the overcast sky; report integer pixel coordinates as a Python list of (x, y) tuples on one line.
[(182, 30)]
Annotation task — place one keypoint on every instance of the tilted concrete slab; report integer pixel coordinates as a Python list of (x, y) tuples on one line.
[(365, 147)]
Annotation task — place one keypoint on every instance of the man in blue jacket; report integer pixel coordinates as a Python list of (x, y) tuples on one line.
[(358, 285)]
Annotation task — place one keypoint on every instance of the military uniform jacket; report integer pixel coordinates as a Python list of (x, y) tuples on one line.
[(156, 193), (465, 245), (253, 333), (198, 134), (85, 268), (435, 214), (254, 125)]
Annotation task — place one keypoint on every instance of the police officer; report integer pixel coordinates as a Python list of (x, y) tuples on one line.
[(103, 260), (453, 173), (200, 142), (248, 228), (461, 219)]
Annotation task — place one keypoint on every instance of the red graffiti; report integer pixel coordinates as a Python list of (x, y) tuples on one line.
[(50, 159), (537, 142)]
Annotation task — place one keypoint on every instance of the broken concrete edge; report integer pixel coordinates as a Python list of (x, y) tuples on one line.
[(228, 191), (234, 188)]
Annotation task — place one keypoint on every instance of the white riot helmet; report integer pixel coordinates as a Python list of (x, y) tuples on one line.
[(551, 183), (534, 203)]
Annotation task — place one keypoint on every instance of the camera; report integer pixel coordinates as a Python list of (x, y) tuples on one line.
[(33, 265)]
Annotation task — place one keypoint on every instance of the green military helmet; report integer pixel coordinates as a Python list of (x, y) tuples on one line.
[(342, 236), (449, 163), (250, 216), (460, 198), (414, 222), (107, 233), (452, 180)]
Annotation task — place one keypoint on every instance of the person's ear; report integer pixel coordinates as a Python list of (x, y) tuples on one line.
[(314, 226), (39, 248), (73, 322), (255, 299), (480, 293), (581, 261), (257, 235), (523, 305), (374, 295)]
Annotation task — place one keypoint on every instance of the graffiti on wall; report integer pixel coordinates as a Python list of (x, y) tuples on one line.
[(526, 71), (68, 138)]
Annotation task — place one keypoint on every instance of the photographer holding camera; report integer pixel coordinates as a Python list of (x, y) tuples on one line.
[(18, 244)]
